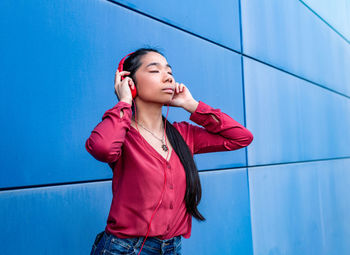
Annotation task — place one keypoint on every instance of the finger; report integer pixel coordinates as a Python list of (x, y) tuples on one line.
[(122, 73), (181, 87), (116, 77), (131, 84), (119, 74)]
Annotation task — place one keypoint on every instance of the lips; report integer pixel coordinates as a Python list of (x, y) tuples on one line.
[(169, 89)]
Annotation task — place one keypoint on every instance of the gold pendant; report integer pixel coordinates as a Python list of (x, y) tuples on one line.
[(164, 147)]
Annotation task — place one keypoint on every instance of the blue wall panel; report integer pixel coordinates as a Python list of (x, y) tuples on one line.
[(292, 119), (218, 22), (301, 208), (53, 220), (286, 34), (225, 205), (68, 63), (335, 13)]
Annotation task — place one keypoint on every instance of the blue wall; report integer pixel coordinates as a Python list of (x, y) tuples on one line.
[(281, 68)]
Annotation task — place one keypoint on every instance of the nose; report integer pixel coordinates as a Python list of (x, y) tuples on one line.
[(168, 77)]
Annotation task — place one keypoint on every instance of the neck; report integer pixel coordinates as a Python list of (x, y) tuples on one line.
[(149, 115)]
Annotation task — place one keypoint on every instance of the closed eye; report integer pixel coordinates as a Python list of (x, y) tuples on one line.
[(157, 72)]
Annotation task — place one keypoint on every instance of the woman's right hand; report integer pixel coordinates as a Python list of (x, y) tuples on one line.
[(122, 87)]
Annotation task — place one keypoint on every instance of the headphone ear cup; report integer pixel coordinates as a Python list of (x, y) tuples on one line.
[(133, 92), (120, 69)]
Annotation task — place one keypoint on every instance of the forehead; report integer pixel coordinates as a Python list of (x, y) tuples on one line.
[(154, 59)]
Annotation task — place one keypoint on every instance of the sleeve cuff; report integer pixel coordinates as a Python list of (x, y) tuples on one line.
[(115, 111), (123, 104), (200, 115)]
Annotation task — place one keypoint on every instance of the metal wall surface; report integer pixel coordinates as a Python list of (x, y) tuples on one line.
[(293, 120), (287, 35), (335, 13), (280, 68), (301, 208), (296, 86), (217, 22)]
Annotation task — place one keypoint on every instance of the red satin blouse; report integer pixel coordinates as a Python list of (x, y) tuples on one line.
[(138, 175)]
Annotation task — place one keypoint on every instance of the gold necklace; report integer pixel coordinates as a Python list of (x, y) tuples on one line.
[(164, 147)]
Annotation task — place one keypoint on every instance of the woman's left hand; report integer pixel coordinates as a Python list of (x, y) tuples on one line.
[(181, 95)]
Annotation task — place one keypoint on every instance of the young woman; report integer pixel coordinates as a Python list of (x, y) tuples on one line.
[(156, 186)]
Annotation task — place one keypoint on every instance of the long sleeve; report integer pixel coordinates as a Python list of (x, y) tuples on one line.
[(223, 134), (107, 138)]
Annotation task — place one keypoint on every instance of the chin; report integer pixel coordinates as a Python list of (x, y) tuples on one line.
[(166, 98)]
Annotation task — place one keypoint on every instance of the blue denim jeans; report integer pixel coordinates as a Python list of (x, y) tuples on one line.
[(110, 244)]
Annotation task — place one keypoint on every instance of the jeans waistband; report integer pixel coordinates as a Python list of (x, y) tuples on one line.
[(170, 241), (157, 240)]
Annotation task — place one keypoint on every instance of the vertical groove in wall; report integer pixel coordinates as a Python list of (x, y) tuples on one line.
[(244, 114)]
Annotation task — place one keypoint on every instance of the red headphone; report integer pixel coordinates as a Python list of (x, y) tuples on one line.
[(134, 94), (120, 69)]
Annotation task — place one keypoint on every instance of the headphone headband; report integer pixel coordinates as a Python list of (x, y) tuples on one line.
[(121, 63)]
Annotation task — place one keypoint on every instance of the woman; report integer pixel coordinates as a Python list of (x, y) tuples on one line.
[(156, 186)]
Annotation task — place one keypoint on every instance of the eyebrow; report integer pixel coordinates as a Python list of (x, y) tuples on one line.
[(157, 64)]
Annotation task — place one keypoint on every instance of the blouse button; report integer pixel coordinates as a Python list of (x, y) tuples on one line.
[(168, 166), (168, 227), (171, 186), (171, 205)]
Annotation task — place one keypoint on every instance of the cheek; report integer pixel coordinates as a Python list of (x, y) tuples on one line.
[(148, 88), (147, 80)]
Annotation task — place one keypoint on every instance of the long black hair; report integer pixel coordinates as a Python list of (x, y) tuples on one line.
[(193, 186)]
